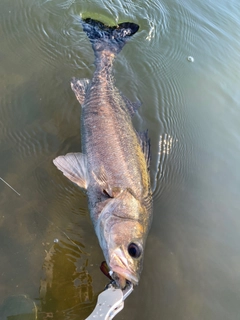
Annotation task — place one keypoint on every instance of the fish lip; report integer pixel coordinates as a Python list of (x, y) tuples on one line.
[(118, 265), (126, 275)]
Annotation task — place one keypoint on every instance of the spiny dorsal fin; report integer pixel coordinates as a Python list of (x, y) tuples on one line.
[(79, 87), (74, 167), (148, 201), (145, 144)]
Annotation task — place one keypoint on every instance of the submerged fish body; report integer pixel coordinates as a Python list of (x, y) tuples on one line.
[(114, 164)]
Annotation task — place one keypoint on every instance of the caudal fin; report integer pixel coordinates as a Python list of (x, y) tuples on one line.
[(108, 38)]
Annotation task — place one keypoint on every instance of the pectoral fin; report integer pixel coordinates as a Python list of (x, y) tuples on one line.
[(74, 167), (102, 180), (79, 87)]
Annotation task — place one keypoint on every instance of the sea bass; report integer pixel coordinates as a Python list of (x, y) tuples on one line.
[(114, 164)]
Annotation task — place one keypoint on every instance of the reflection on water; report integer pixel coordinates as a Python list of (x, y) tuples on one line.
[(61, 270), (18, 307), (192, 258)]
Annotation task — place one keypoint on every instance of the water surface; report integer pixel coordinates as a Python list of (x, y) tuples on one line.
[(48, 247)]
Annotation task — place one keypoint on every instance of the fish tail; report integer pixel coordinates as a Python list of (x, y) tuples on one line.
[(108, 38)]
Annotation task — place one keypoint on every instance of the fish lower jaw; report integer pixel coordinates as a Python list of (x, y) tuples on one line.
[(121, 268), (121, 274)]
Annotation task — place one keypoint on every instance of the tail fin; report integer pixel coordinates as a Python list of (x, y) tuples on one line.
[(108, 38)]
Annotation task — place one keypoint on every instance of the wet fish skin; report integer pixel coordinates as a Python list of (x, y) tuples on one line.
[(114, 165)]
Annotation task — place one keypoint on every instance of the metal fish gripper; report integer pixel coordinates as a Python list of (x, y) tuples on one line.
[(110, 302)]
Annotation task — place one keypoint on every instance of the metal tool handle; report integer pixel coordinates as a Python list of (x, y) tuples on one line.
[(110, 302)]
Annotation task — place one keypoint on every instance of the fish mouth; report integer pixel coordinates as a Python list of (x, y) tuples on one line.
[(119, 265)]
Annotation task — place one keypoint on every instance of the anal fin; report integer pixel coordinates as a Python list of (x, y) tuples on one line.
[(79, 87), (74, 167)]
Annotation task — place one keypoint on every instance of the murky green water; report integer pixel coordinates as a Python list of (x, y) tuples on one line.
[(48, 247)]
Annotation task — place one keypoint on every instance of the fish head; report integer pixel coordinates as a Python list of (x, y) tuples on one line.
[(126, 251), (122, 233)]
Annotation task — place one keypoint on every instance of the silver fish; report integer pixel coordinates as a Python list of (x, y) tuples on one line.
[(114, 164)]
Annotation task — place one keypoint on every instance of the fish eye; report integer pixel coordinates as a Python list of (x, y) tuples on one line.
[(134, 250)]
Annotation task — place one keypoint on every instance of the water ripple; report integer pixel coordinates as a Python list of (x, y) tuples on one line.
[(51, 40)]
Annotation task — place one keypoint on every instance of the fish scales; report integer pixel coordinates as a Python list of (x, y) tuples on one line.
[(114, 165), (110, 132)]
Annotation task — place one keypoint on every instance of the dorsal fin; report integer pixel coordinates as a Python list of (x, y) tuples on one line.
[(145, 144), (132, 106)]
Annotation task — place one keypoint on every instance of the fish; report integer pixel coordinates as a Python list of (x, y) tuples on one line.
[(114, 164)]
